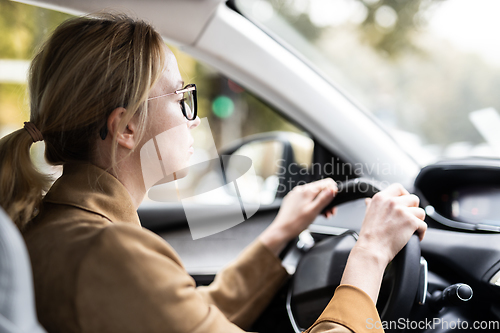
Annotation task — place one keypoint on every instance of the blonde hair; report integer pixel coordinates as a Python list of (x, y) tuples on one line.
[(87, 68)]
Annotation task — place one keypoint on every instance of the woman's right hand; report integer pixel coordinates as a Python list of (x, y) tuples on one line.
[(392, 217)]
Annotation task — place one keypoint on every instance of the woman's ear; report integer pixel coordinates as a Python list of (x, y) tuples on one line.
[(126, 137)]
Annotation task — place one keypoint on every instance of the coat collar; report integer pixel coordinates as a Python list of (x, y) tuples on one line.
[(90, 188)]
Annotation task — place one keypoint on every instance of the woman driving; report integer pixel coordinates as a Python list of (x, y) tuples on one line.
[(100, 88)]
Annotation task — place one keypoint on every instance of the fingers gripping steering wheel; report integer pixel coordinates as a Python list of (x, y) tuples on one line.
[(319, 271)]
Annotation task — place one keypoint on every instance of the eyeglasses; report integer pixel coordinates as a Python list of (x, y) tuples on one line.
[(189, 105), (189, 101)]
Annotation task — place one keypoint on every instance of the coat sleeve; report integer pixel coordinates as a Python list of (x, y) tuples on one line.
[(244, 288), (350, 309)]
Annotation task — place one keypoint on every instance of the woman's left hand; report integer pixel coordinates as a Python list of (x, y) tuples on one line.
[(299, 209)]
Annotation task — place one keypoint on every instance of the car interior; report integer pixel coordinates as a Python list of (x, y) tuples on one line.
[(311, 129)]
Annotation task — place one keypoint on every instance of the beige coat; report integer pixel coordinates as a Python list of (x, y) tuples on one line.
[(97, 270)]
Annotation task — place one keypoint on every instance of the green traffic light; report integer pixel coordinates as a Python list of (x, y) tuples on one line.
[(223, 106)]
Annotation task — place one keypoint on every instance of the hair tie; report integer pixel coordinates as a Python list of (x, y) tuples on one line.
[(36, 135)]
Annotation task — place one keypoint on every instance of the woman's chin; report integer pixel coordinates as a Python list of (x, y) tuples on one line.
[(181, 173), (173, 176)]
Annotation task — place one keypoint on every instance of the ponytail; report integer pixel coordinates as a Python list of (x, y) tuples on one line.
[(21, 184)]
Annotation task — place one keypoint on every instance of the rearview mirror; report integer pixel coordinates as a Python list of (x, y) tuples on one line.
[(280, 161)]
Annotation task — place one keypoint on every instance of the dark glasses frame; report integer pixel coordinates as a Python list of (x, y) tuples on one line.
[(188, 88), (103, 133)]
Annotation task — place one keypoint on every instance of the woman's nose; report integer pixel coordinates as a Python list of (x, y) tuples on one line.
[(194, 123)]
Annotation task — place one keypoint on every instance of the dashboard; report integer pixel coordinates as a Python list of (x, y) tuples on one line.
[(462, 194)]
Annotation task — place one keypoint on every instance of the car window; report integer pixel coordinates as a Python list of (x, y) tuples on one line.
[(232, 111), (427, 69)]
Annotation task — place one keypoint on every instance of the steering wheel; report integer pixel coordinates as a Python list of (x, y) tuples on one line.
[(320, 270)]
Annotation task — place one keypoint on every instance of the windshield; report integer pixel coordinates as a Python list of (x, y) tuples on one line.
[(428, 70)]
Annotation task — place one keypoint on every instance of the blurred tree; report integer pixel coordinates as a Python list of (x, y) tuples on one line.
[(300, 19), (386, 26), (389, 23), (23, 28)]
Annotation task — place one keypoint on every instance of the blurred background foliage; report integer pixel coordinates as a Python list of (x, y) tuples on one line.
[(22, 29), (386, 25)]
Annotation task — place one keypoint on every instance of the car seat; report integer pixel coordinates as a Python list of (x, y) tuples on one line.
[(17, 301)]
